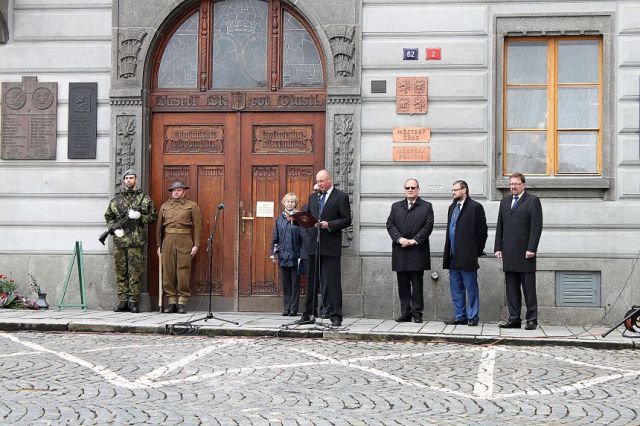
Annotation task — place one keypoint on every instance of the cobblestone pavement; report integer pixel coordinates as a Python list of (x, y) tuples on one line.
[(75, 378)]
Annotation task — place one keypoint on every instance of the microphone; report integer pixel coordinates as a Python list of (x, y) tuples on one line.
[(221, 206)]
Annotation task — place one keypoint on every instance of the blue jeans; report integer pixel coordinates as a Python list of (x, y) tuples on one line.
[(464, 291)]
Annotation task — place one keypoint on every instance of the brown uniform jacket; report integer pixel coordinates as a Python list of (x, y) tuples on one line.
[(182, 213)]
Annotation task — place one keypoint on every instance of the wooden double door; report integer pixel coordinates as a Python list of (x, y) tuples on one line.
[(246, 161)]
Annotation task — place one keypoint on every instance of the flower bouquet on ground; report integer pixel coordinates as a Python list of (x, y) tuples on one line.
[(10, 298)]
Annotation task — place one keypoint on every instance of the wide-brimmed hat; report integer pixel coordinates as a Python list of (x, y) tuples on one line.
[(177, 184)]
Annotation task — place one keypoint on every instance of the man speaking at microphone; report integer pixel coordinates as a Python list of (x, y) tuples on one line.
[(331, 208)]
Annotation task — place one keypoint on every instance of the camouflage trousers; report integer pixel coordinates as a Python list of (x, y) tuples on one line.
[(129, 267)]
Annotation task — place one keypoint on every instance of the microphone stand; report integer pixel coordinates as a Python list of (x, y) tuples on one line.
[(209, 275)]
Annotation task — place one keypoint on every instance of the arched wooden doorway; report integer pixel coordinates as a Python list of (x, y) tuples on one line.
[(237, 112)]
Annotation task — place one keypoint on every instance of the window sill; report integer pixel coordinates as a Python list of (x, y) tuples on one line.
[(561, 187)]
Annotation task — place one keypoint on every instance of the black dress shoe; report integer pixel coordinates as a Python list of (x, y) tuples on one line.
[(404, 318), (325, 316), (305, 319), (472, 323), (133, 307), (170, 309), (456, 322), (531, 325), (293, 314), (510, 324), (285, 313), (182, 309), (417, 319), (336, 323), (122, 307)]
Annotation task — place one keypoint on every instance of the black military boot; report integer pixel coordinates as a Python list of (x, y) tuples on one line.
[(133, 307), (123, 306), (170, 309)]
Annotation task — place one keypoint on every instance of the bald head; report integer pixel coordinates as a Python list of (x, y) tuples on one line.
[(323, 179)]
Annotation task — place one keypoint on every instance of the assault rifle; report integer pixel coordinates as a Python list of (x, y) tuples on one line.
[(120, 224)]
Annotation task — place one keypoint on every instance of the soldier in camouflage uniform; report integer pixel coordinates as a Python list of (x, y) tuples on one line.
[(129, 241)]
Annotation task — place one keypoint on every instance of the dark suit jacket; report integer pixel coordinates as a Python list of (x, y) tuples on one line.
[(471, 236), (336, 211), (415, 224), (518, 231)]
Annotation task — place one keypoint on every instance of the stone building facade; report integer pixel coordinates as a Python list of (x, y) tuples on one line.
[(591, 239)]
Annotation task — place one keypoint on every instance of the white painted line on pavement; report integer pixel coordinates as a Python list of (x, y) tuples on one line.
[(484, 383)]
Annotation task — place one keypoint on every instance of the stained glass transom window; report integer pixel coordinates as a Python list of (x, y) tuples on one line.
[(240, 44), (301, 61), (179, 63)]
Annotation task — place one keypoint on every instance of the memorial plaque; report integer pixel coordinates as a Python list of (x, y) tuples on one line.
[(411, 134), (283, 139), (194, 139), (411, 153), (411, 95), (83, 120), (29, 118)]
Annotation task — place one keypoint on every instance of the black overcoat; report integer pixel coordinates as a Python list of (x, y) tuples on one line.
[(471, 236), (519, 231), (337, 212), (415, 224)]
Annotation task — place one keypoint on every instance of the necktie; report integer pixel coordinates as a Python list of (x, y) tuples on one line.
[(515, 202), (410, 205), (323, 197), (452, 227)]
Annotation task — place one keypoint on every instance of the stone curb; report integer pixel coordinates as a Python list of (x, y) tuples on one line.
[(315, 334)]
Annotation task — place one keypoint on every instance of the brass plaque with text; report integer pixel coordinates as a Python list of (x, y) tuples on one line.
[(283, 139), (411, 153), (29, 120), (411, 134)]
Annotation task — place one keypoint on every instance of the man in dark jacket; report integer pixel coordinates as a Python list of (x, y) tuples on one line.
[(331, 208), (465, 239), (410, 224), (518, 233)]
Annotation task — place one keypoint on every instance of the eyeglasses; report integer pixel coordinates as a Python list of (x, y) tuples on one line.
[(410, 187), (515, 183), (455, 189)]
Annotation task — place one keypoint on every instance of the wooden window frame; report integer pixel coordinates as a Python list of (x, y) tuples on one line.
[(601, 23), (553, 86)]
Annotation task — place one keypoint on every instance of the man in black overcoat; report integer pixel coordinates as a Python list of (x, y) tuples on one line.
[(409, 225), (518, 233), (331, 208), (465, 239)]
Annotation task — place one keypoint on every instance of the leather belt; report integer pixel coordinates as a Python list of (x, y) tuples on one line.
[(177, 230)]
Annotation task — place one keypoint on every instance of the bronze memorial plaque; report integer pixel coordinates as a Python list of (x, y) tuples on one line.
[(193, 139), (411, 95), (411, 153), (29, 117), (283, 139), (411, 134)]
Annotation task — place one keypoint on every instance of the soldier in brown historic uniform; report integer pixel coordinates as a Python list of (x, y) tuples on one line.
[(178, 234)]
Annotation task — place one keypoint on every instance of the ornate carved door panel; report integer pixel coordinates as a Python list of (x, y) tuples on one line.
[(201, 150), (280, 154)]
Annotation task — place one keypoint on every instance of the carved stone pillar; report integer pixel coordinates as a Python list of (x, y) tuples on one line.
[(343, 155)]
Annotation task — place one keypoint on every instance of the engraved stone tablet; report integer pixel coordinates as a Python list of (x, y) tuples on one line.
[(83, 120), (29, 120), (411, 95)]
